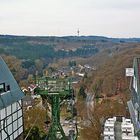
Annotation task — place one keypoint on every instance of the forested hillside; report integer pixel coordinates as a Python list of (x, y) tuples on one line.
[(32, 48), (30, 54), (45, 47), (111, 88)]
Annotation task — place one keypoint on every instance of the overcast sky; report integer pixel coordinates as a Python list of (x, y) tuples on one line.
[(113, 18)]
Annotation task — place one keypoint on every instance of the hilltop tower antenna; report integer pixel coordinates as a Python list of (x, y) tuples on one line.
[(78, 32)]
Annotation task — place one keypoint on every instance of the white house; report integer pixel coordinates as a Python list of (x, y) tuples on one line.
[(11, 115), (109, 129)]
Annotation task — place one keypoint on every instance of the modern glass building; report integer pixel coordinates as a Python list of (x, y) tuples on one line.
[(11, 115), (134, 103)]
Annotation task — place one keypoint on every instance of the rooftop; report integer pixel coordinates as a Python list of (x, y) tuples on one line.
[(11, 91)]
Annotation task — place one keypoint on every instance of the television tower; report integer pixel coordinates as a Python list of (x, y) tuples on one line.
[(78, 32)]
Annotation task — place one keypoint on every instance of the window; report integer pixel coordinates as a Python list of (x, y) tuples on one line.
[(139, 116), (10, 129), (8, 88), (2, 88)]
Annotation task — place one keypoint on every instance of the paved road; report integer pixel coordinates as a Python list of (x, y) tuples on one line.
[(118, 132), (90, 104)]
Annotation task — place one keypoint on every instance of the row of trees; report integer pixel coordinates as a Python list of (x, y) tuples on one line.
[(34, 50), (23, 71), (81, 52)]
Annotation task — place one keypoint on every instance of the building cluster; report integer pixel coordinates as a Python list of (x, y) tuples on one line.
[(77, 71), (118, 128), (127, 130), (109, 129)]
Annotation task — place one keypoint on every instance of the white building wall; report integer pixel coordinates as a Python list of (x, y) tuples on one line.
[(11, 121)]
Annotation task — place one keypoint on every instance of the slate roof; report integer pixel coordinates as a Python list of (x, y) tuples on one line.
[(15, 93)]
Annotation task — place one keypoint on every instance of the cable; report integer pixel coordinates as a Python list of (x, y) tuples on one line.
[(31, 128), (33, 125), (19, 104)]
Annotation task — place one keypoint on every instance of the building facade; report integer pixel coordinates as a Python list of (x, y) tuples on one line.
[(134, 103), (11, 114)]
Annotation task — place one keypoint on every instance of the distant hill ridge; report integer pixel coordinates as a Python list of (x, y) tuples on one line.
[(73, 38)]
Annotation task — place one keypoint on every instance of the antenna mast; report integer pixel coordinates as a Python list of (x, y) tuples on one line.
[(78, 32)]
